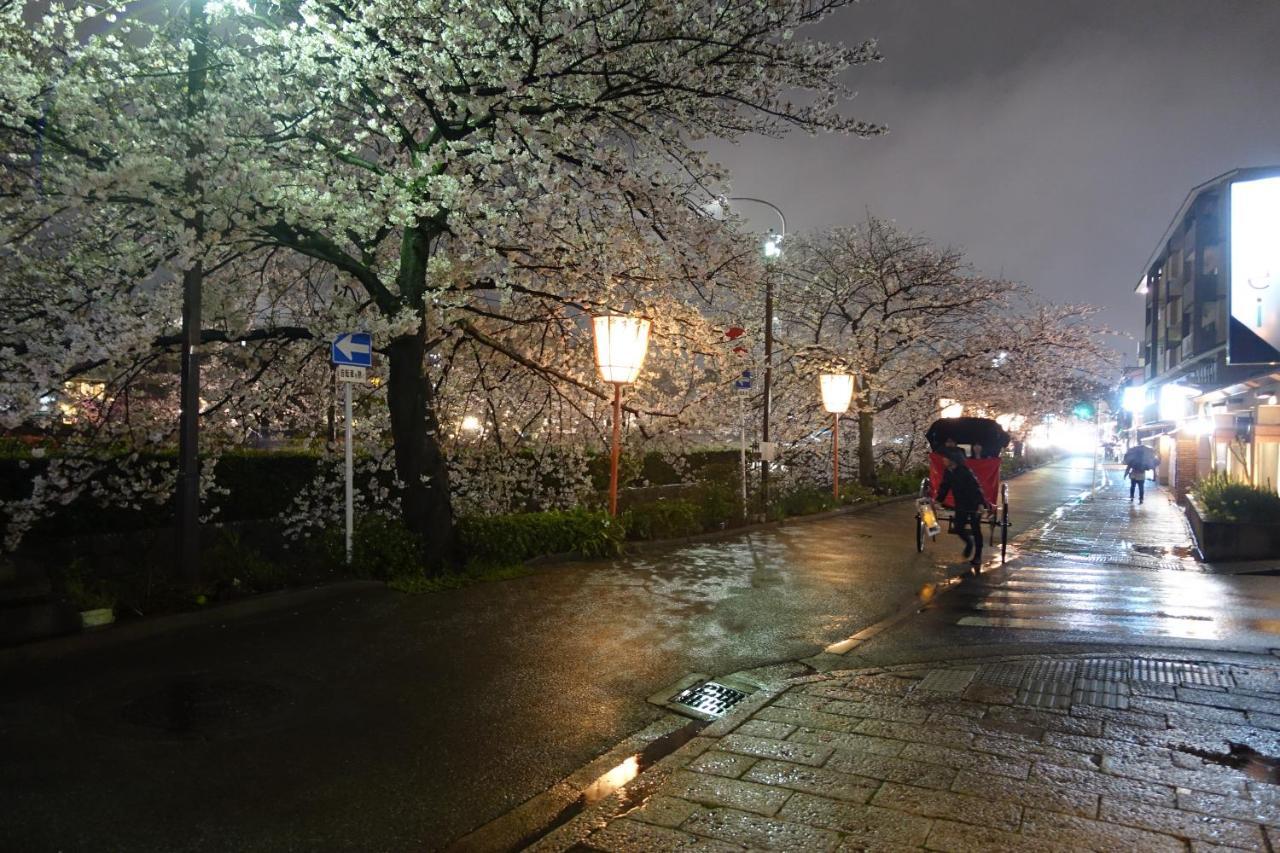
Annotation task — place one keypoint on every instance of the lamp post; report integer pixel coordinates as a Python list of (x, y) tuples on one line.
[(772, 249), (837, 392), (621, 343)]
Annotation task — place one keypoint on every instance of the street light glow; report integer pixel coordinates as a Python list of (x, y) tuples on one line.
[(837, 392), (621, 345)]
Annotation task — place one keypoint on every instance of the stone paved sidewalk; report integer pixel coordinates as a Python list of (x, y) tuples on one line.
[(1018, 753), (1106, 527)]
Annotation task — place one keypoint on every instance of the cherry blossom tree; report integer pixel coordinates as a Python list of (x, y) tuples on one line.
[(914, 323), (467, 181)]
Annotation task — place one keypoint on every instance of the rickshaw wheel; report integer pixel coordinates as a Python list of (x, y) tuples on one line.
[(919, 534)]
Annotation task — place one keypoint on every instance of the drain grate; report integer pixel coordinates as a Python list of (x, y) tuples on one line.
[(1179, 672), (709, 698)]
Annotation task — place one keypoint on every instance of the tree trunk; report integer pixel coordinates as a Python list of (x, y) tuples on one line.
[(866, 451), (420, 461)]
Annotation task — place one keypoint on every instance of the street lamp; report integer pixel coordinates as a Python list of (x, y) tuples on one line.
[(772, 250), (837, 392), (621, 343)]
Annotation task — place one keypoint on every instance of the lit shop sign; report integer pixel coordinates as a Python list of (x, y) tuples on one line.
[(1255, 272)]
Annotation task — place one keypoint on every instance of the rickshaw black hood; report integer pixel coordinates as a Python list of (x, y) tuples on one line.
[(970, 431)]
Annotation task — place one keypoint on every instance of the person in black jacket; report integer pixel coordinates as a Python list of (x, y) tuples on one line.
[(960, 482)]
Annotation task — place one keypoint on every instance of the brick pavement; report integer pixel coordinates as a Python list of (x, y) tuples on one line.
[(1106, 527), (1105, 751), (1019, 753)]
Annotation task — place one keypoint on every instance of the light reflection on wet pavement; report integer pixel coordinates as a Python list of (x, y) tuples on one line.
[(1103, 569)]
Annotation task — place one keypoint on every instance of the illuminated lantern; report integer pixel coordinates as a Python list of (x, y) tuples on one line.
[(621, 344)]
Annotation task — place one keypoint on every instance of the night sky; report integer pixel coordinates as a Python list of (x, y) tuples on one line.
[(1053, 140)]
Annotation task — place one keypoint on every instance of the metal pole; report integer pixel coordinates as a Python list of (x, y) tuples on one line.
[(835, 455), (768, 381), (742, 448), (188, 485), (768, 343), (350, 489), (613, 455)]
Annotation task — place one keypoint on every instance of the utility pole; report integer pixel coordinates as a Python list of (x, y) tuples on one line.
[(188, 486)]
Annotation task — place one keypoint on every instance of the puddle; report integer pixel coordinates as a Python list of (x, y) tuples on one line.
[(1246, 759)]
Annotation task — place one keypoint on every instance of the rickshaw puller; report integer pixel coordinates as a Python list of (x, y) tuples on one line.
[(960, 482)]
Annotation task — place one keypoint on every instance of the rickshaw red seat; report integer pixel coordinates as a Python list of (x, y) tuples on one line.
[(986, 470)]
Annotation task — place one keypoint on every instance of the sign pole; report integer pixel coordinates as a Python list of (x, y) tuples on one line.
[(350, 501), (351, 355)]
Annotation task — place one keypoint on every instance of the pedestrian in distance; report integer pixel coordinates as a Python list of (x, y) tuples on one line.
[(1137, 474), (1137, 461), (961, 483)]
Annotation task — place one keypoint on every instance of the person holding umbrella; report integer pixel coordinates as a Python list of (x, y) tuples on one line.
[(1137, 461)]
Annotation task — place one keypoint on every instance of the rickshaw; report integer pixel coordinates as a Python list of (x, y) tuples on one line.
[(980, 441)]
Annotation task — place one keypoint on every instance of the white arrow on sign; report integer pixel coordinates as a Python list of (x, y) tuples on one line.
[(347, 347)]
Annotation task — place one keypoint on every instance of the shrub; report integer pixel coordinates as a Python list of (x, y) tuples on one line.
[(1225, 499), (663, 520), (717, 503), (383, 548), (239, 567), (852, 493), (890, 482), (802, 500), (503, 540), (85, 592)]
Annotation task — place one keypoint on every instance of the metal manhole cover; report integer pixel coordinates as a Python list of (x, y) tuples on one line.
[(709, 698), (209, 707), (1180, 672)]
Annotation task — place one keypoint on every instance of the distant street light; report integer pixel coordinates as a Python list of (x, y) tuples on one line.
[(837, 392), (621, 343), (772, 249)]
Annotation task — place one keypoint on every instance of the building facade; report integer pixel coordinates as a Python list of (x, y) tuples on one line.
[(1202, 412)]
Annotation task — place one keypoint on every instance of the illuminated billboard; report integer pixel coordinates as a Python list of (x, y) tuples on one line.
[(1255, 272)]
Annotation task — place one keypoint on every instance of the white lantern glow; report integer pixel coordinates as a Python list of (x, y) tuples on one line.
[(837, 391), (621, 345)]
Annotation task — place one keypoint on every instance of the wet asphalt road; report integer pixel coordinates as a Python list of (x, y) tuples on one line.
[(392, 722)]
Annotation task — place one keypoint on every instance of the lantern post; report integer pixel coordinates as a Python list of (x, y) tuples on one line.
[(621, 343), (837, 392)]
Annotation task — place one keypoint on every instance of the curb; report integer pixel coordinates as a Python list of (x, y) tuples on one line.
[(121, 633)]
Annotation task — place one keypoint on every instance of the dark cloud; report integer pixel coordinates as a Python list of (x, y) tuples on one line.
[(1051, 139)]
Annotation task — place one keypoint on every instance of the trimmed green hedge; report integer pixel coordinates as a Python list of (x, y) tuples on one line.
[(509, 539)]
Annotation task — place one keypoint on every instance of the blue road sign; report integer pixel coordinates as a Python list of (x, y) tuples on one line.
[(743, 384), (353, 348)]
